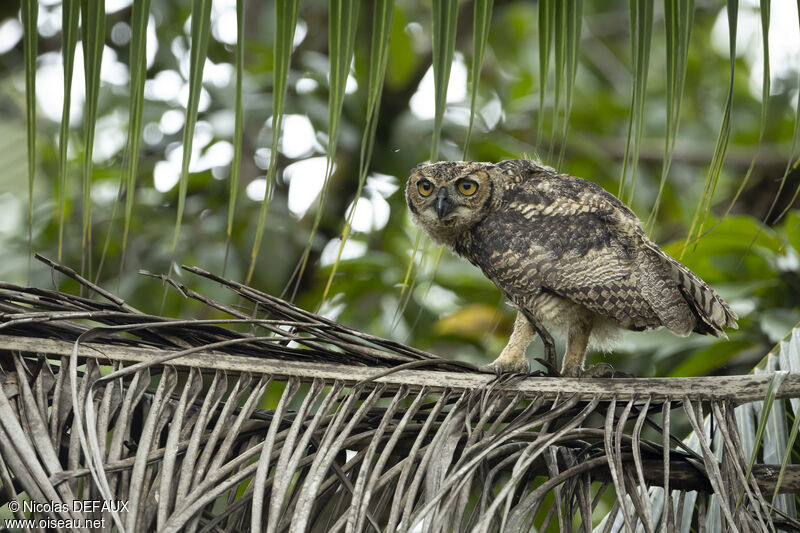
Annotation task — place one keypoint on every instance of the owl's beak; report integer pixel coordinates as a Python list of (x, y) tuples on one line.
[(443, 203)]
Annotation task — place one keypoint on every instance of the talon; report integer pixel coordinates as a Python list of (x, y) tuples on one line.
[(551, 370), (617, 373), (600, 370), (491, 368), (573, 371), (603, 370), (508, 366)]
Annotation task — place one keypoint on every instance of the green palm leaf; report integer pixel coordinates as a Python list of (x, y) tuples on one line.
[(138, 69), (482, 17), (678, 20), (573, 19), (69, 28), (765, 89), (547, 14), (93, 36), (285, 24), (342, 26), (444, 24), (724, 133), (381, 32), (445, 18), (641, 15), (200, 33), (237, 128), (30, 16), (789, 165), (567, 34)]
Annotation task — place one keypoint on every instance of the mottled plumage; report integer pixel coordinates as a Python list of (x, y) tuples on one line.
[(571, 257)]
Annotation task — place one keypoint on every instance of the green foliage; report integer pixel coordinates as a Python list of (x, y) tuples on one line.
[(135, 110), (286, 22), (69, 25), (30, 15), (378, 59), (93, 20), (444, 19), (641, 14), (238, 130), (481, 20), (200, 35), (721, 147), (342, 26), (678, 19)]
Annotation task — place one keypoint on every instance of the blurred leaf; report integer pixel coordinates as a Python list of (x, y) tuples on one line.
[(724, 134), (559, 59), (379, 55), (789, 165), (776, 322), (482, 16), (471, 321), (285, 25), (238, 145), (200, 33), (342, 27), (641, 19), (93, 32), (410, 267), (569, 18), (714, 357), (678, 19), (765, 85), (729, 243), (445, 19), (573, 25), (138, 70), (547, 21), (792, 229), (405, 60), (732, 234), (69, 36), (436, 263), (30, 17)]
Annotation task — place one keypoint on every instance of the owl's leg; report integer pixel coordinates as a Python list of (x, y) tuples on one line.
[(577, 341), (575, 356), (512, 358)]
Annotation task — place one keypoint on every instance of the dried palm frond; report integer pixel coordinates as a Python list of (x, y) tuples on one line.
[(306, 424)]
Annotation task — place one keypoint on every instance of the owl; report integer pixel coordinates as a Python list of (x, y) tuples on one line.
[(569, 256)]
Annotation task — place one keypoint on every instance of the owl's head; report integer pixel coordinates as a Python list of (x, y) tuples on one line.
[(450, 197)]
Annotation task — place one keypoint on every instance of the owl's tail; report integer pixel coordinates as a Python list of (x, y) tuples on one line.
[(710, 310)]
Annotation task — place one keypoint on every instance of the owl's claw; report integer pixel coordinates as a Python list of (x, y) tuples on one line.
[(551, 370), (573, 371), (600, 370), (507, 366)]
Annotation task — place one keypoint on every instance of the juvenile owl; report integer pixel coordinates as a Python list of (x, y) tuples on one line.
[(569, 256)]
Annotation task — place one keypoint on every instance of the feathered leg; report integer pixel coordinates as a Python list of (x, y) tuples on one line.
[(575, 356), (577, 340), (512, 358)]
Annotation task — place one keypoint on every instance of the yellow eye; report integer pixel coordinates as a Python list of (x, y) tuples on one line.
[(467, 187), (425, 188)]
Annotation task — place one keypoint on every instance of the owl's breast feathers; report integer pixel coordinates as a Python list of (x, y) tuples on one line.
[(568, 236)]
